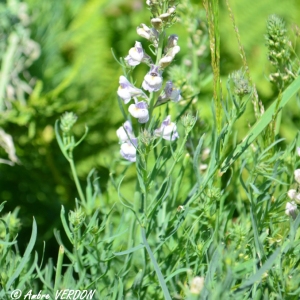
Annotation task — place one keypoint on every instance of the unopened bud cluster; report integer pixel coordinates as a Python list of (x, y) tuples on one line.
[(163, 12), (67, 120), (278, 50), (77, 218), (241, 84)]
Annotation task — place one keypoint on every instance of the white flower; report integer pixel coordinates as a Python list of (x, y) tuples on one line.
[(139, 111), (291, 209), (128, 150), (197, 285), (125, 132), (297, 175), (298, 151), (167, 130), (152, 80), (126, 90), (292, 194), (136, 55)]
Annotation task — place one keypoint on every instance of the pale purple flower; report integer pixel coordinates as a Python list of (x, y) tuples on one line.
[(292, 193), (136, 55), (169, 93), (167, 130), (291, 209), (152, 80), (126, 90), (128, 149), (140, 111), (125, 132)]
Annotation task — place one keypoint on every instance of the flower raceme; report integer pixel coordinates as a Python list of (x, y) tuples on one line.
[(152, 82)]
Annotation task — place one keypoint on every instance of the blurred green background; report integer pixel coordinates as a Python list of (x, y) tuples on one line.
[(76, 72)]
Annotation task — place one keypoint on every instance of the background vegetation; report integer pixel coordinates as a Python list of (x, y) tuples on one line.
[(70, 67)]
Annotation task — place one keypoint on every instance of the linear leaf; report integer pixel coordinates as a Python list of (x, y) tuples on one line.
[(261, 124)]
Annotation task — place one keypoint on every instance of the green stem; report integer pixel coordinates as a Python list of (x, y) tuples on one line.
[(77, 183)]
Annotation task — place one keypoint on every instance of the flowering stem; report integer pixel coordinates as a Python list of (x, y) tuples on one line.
[(77, 183), (160, 46), (158, 57)]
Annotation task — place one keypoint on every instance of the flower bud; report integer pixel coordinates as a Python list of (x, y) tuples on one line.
[(165, 17), (76, 218), (171, 10), (146, 137), (156, 22), (67, 120)]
